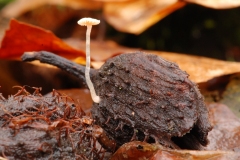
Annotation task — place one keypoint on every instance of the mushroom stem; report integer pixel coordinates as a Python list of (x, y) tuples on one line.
[(94, 96)]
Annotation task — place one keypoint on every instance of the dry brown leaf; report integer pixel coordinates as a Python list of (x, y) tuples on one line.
[(136, 16), (131, 16), (200, 69), (225, 134), (142, 150), (216, 4), (19, 7), (135, 150), (100, 50), (194, 155)]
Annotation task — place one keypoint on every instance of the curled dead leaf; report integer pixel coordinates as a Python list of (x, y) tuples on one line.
[(132, 16), (193, 155), (31, 38), (118, 13), (225, 134), (200, 69), (135, 150), (22, 37), (19, 7), (216, 4), (136, 16), (142, 150)]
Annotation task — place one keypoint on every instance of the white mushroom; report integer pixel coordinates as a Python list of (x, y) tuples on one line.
[(89, 22)]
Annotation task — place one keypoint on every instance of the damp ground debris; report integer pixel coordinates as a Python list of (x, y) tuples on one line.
[(53, 127), (143, 97)]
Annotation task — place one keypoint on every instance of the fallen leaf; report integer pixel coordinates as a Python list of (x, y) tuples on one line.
[(136, 16), (101, 50), (135, 150), (200, 69), (194, 155), (142, 150), (45, 17), (22, 37), (19, 7), (216, 4), (118, 13), (130, 16), (225, 134), (30, 38)]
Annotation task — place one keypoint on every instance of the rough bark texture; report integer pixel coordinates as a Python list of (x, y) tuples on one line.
[(149, 94)]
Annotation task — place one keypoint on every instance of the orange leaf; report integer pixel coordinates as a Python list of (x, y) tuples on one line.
[(217, 4), (22, 37), (136, 16), (18, 7)]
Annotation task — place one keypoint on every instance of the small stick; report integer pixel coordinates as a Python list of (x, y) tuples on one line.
[(62, 63)]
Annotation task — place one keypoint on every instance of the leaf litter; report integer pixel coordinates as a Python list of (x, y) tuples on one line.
[(233, 68)]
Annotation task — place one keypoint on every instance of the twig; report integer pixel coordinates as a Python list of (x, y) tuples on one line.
[(55, 60)]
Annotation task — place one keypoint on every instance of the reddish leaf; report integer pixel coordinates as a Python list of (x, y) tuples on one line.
[(169, 154), (136, 16), (22, 37), (225, 134), (135, 150), (216, 4), (200, 69), (142, 150)]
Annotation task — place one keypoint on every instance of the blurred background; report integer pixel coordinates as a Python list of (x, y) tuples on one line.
[(189, 27), (211, 30)]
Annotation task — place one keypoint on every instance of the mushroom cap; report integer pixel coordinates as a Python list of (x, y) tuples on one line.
[(88, 21)]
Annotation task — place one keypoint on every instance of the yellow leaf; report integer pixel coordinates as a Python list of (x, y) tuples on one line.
[(136, 16)]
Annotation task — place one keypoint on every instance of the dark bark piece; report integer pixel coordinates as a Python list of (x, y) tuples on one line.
[(145, 94), (152, 95), (50, 58)]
